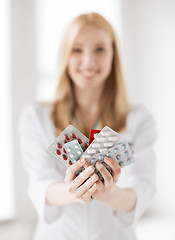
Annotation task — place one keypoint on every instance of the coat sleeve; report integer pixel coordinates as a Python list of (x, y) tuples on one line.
[(40, 167), (140, 175)]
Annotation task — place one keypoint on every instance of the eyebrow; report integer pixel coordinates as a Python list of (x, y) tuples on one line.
[(97, 43)]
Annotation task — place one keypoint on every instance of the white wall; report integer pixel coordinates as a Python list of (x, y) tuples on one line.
[(24, 89), (149, 50)]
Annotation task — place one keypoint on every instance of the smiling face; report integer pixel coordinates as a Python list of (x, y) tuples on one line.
[(91, 58)]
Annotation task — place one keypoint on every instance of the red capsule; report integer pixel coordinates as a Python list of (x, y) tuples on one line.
[(64, 151), (74, 136), (58, 152), (79, 140), (65, 141), (64, 157), (59, 145), (86, 145), (66, 137), (70, 163)]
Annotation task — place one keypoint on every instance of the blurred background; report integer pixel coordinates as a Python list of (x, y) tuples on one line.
[(30, 32)]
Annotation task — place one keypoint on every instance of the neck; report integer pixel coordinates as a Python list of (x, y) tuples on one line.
[(88, 100), (88, 105)]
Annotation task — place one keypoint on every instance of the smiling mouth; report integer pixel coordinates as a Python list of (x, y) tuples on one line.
[(89, 75)]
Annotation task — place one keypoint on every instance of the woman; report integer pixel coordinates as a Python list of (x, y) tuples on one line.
[(90, 94)]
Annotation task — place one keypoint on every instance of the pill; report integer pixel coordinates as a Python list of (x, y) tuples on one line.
[(74, 136), (129, 160), (93, 160), (64, 151), (116, 150), (124, 147), (68, 150), (121, 164), (96, 145), (66, 137), (126, 154), (114, 138), (102, 149), (108, 154), (100, 139), (86, 156), (59, 145), (80, 141), (70, 163), (79, 152), (85, 145), (71, 155), (105, 133), (58, 152), (118, 157), (101, 157), (91, 151), (64, 157), (76, 146), (108, 144)]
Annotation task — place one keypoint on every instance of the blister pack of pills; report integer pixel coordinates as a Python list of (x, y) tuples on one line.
[(106, 139), (68, 146), (106, 144), (71, 144), (120, 153)]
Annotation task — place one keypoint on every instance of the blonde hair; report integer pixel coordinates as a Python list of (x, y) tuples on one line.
[(113, 108)]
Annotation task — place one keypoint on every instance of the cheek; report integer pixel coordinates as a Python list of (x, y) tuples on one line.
[(72, 63), (106, 62)]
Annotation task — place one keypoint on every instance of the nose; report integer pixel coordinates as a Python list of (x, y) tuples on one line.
[(88, 61)]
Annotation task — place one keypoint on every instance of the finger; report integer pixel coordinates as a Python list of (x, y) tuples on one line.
[(86, 165), (116, 169), (87, 185), (81, 178), (108, 179), (70, 173), (100, 185), (87, 195)]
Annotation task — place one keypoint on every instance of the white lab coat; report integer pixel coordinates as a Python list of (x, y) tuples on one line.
[(94, 221)]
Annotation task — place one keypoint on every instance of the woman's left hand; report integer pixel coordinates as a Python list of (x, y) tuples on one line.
[(104, 188)]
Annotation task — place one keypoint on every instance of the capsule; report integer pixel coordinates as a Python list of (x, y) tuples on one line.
[(64, 157), (59, 145), (80, 141), (66, 137), (74, 136), (58, 152)]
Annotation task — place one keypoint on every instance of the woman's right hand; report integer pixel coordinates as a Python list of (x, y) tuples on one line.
[(84, 185)]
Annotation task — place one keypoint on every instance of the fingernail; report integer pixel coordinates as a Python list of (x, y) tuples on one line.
[(98, 164), (90, 168)]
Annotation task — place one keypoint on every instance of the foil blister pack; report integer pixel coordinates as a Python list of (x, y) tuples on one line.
[(71, 144), (58, 148), (120, 153)]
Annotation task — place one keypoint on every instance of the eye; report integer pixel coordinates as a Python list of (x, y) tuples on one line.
[(99, 49), (77, 50)]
